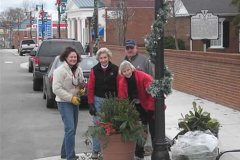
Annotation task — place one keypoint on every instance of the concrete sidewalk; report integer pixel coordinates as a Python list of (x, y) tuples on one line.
[(229, 133), (177, 103)]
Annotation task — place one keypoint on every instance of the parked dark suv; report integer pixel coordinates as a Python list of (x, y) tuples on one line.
[(46, 53)]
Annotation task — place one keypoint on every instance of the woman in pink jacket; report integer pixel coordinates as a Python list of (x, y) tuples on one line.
[(132, 84)]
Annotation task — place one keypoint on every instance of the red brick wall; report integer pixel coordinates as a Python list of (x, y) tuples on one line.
[(138, 26), (212, 76)]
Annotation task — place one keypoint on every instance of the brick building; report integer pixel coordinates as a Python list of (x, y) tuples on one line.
[(139, 23), (228, 38), (23, 31)]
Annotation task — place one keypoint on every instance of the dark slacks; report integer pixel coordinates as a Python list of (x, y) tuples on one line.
[(147, 118)]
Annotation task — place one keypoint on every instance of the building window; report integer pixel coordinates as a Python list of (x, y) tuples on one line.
[(218, 43), (223, 35)]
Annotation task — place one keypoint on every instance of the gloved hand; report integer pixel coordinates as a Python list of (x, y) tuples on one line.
[(75, 100), (82, 91), (92, 110)]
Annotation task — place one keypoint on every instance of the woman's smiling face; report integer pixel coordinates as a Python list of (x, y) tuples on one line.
[(72, 58), (103, 59), (127, 72)]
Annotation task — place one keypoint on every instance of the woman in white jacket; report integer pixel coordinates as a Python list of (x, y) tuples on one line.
[(67, 82)]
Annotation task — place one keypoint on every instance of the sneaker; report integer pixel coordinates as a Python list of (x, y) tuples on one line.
[(94, 155), (148, 150)]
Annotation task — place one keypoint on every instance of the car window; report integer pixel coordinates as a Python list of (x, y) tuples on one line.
[(28, 42), (88, 63), (55, 64), (54, 48)]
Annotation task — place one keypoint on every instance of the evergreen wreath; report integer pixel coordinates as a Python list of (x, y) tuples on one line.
[(165, 84)]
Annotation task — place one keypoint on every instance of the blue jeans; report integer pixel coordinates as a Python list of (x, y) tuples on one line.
[(98, 104), (69, 114)]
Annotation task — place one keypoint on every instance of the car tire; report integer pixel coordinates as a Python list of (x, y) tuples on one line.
[(37, 84), (20, 53)]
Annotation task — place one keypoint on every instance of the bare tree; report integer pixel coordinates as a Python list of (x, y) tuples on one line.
[(122, 14), (175, 6), (8, 19), (11, 16)]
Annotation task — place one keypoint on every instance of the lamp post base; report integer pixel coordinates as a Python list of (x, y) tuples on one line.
[(160, 153)]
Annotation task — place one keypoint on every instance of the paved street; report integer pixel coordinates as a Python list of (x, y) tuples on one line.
[(28, 129)]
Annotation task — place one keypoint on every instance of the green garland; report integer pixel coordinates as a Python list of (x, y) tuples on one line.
[(156, 33), (165, 84)]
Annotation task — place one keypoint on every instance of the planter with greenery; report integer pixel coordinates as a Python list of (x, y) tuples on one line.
[(198, 120), (198, 136), (117, 117)]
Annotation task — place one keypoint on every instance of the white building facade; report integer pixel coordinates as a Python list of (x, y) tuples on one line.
[(79, 15)]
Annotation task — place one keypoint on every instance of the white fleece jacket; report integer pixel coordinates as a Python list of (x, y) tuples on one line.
[(63, 86)]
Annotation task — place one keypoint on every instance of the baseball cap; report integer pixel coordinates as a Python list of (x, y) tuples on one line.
[(130, 43)]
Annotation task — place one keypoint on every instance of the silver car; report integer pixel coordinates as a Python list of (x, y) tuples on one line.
[(86, 64)]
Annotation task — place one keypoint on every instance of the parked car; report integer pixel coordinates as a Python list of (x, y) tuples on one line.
[(86, 64), (46, 53), (26, 46), (32, 54)]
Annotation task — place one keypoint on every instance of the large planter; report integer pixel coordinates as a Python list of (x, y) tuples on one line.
[(114, 149)]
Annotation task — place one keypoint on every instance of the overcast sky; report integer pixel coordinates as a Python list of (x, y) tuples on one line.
[(48, 5)]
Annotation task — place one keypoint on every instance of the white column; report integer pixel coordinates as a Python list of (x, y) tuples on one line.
[(79, 30), (190, 44), (69, 28), (83, 31), (73, 28)]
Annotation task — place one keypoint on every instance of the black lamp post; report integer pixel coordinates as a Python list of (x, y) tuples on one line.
[(160, 149), (30, 18), (42, 18)]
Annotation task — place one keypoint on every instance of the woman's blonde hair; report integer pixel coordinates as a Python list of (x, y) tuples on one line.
[(125, 64), (103, 50)]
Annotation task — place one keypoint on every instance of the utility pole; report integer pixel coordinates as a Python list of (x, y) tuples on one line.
[(18, 33), (96, 19), (59, 17), (160, 149), (30, 21)]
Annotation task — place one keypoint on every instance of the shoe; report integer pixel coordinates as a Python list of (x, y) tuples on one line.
[(148, 150), (64, 157), (94, 155), (138, 158)]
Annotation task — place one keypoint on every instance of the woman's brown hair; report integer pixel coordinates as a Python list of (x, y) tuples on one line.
[(67, 51)]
